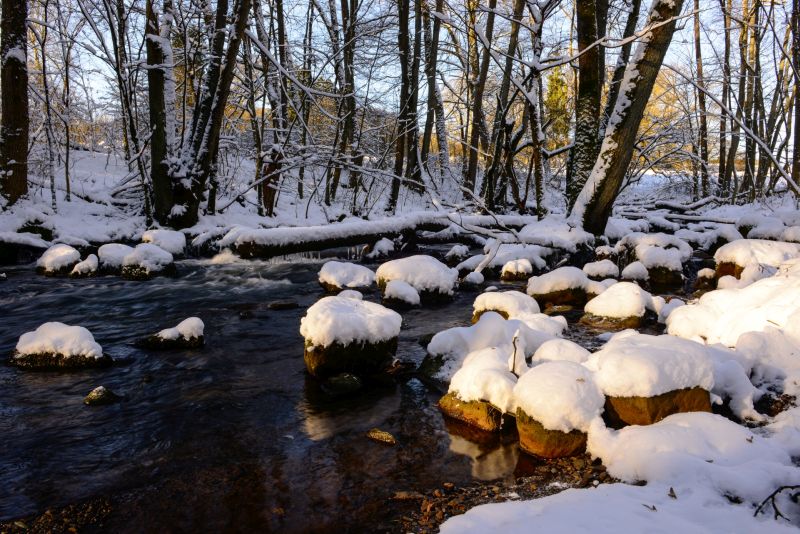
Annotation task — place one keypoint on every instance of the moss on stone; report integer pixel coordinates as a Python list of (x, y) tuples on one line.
[(610, 323), (49, 361), (479, 414), (537, 440), (358, 358), (621, 411)]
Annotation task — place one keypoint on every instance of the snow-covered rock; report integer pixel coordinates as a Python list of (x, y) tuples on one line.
[(496, 256), (565, 285), (336, 275), (350, 294), (473, 278), (100, 396), (426, 274), (556, 401), (400, 292), (635, 271), (734, 257), (111, 256), (449, 348), (516, 270), (170, 240), (146, 261), (560, 350), (622, 305), (647, 378), (509, 304), (58, 259), (56, 345), (348, 335), (188, 334), (382, 248), (457, 253), (600, 270), (87, 267)]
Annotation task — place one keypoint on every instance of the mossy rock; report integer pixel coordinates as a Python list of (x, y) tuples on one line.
[(330, 288), (139, 273), (359, 358), (101, 396), (621, 411), (62, 271), (610, 323), (704, 284), (539, 441), (49, 361), (727, 268), (477, 315), (155, 342), (575, 296), (515, 277), (479, 414), (661, 278)]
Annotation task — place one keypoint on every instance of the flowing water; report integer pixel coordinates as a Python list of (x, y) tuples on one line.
[(232, 436)]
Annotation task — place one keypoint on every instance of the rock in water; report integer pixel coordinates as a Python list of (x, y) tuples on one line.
[(377, 434), (341, 385), (100, 396), (56, 346), (58, 260), (187, 335), (479, 414), (648, 410)]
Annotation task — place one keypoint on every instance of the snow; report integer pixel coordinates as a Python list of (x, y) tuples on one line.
[(474, 278), (112, 255), (790, 234), (696, 449), (169, 240), (424, 273), (667, 308), (458, 251), (656, 250), (58, 257), (620, 301), (601, 269), (561, 279), (343, 275), (517, 267), (23, 238), (505, 253), (186, 329), (513, 303), (345, 320), (485, 376), (640, 365), (746, 252), (454, 344), (402, 291), (561, 395), (560, 350), (605, 250), (613, 508), (59, 338), (87, 266), (706, 273), (350, 294), (555, 232), (382, 248), (635, 271), (149, 257)]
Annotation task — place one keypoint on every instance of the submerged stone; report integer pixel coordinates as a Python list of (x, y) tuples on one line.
[(381, 436), (342, 385), (537, 440), (100, 396), (622, 411)]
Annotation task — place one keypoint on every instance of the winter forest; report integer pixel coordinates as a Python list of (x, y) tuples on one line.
[(400, 265)]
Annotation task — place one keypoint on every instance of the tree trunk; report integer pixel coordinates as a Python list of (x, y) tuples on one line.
[(701, 104), (587, 106), (796, 61), (14, 88), (596, 200), (622, 61)]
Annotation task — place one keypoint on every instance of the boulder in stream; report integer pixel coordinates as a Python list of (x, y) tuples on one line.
[(188, 334), (57, 346)]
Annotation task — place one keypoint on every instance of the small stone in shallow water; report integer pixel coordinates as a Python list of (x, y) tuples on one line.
[(377, 434), (283, 305), (100, 396), (407, 496), (342, 384)]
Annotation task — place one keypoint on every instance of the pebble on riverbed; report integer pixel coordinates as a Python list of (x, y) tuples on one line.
[(376, 434), (101, 396)]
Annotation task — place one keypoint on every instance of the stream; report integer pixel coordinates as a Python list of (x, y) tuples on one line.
[(231, 436)]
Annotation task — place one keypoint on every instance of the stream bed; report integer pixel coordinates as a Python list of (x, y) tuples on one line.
[(234, 436)]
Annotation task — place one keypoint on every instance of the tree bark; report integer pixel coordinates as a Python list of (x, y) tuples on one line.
[(701, 104), (14, 86), (596, 200)]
